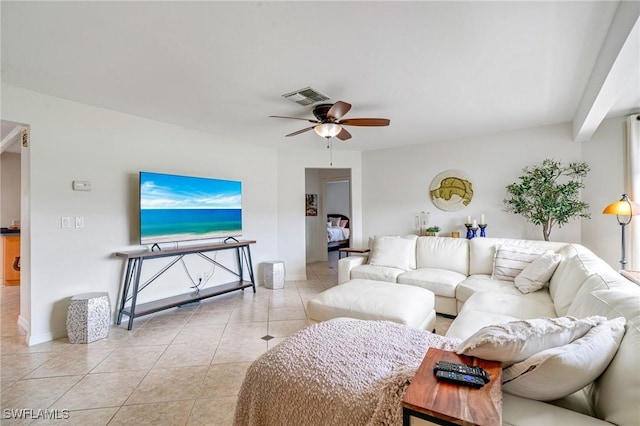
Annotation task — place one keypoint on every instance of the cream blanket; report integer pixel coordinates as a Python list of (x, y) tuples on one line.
[(344, 372)]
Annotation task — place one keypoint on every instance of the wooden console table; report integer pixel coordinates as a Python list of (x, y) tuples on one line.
[(131, 281), (446, 403)]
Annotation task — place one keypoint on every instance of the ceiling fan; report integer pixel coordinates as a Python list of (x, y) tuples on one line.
[(329, 122)]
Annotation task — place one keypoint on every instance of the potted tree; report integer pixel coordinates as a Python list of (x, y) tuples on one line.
[(548, 194), (432, 231)]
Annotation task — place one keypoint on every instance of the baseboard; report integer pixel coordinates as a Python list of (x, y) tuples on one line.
[(45, 337), (23, 324)]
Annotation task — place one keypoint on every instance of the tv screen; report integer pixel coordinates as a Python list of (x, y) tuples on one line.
[(184, 208)]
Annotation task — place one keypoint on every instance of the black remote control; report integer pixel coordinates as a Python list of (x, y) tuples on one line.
[(454, 367), (460, 379)]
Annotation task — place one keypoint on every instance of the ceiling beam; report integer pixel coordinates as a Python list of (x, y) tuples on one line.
[(615, 68)]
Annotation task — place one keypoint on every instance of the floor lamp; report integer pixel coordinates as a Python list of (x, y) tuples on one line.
[(624, 207)]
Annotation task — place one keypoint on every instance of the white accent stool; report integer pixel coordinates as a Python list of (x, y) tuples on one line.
[(376, 300), (88, 317), (273, 275)]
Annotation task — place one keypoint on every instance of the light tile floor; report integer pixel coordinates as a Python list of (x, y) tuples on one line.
[(177, 367)]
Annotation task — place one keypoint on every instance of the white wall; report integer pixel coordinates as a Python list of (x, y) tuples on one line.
[(605, 184), (72, 141), (338, 197), (314, 224), (396, 183)]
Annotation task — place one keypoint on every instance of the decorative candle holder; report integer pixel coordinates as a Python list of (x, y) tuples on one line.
[(471, 231), (482, 230)]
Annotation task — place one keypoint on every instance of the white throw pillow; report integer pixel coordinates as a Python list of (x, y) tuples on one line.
[(538, 273), (508, 262), (516, 341), (395, 252), (558, 372)]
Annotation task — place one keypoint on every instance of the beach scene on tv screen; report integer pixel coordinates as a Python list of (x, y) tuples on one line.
[(182, 208)]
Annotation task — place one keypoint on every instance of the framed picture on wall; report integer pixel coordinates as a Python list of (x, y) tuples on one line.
[(312, 205)]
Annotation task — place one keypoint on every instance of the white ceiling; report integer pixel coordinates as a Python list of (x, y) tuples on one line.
[(438, 70)]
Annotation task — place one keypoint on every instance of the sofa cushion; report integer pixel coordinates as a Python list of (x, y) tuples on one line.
[(469, 321), (376, 273), (578, 264), (482, 251), (516, 341), (440, 281), (510, 261), (584, 304), (518, 306), (394, 251), (538, 273), (484, 283), (443, 253), (528, 412), (560, 371), (615, 394)]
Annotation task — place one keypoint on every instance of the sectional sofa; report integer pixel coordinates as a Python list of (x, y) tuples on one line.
[(475, 282)]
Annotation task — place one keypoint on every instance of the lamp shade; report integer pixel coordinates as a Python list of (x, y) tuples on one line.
[(327, 130), (624, 207)]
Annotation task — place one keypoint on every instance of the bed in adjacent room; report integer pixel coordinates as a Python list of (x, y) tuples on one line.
[(338, 231)]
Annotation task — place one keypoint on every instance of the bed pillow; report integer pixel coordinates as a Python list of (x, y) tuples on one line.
[(335, 221), (558, 372), (508, 262), (516, 341), (394, 252), (343, 223), (538, 273)]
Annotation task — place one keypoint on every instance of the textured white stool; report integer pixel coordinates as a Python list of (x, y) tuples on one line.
[(273, 275), (88, 317)]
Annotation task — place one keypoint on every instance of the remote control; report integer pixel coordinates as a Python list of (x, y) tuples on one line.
[(460, 379), (454, 367)]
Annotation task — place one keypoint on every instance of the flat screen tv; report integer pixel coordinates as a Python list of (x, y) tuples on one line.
[(185, 208)]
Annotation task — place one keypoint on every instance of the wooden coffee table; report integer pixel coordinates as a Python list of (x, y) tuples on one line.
[(445, 403)]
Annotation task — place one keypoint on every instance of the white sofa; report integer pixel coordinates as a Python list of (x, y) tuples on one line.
[(459, 273)]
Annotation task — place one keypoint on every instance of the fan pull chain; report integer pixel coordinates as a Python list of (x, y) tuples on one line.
[(330, 148)]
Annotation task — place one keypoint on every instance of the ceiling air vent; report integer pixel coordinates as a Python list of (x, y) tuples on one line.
[(306, 96)]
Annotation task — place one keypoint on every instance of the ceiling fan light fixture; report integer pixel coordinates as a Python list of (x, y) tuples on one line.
[(327, 130)]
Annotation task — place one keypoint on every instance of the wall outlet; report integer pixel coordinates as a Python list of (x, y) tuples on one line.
[(79, 222)]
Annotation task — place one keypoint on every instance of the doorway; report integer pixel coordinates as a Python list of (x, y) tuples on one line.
[(14, 190), (333, 190)]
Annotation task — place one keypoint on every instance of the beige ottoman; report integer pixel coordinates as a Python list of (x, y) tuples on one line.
[(375, 300)]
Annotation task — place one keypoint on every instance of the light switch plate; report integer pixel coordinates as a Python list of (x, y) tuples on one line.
[(65, 222)]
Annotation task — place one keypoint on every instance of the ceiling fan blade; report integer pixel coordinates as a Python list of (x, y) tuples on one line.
[(343, 135), (295, 118), (365, 122), (339, 109), (301, 131)]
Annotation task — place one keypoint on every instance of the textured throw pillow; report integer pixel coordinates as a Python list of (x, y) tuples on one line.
[(343, 223), (395, 252), (335, 221), (508, 262), (538, 273), (516, 341), (558, 372)]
